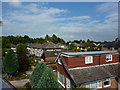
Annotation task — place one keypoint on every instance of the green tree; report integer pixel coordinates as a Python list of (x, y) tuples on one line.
[(37, 74), (5, 43), (22, 57), (10, 63), (71, 46), (48, 80), (54, 39)]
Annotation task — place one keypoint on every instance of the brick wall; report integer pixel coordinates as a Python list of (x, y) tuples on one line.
[(73, 62)]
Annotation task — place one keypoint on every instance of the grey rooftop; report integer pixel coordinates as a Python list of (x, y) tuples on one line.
[(88, 53)]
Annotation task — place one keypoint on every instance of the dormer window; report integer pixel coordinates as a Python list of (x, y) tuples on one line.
[(108, 58), (88, 59)]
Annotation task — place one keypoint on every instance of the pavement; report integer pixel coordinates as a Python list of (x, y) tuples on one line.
[(19, 83)]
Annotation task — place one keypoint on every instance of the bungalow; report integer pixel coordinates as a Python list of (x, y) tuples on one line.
[(98, 69)]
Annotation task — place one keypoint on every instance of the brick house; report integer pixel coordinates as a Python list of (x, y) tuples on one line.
[(98, 69)]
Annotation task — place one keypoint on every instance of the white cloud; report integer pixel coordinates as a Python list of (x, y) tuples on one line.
[(108, 7), (38, 20), (15, 4)]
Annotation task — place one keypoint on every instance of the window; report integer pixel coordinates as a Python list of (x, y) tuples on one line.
[(68, 85), (108, 58), (88, 59), (61, 78), (93, 85), (107, 83), (99, 84)]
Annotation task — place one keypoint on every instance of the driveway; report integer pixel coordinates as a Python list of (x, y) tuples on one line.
[(19, 83)]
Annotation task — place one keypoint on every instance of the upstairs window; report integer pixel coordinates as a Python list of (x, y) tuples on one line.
[(108, 58), (88, 59)]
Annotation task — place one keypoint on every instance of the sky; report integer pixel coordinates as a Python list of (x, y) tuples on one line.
[(68, 20)]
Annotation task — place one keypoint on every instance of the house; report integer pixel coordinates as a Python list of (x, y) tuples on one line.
[(49, 50), (13, 47), (112, 46), (98, 69)]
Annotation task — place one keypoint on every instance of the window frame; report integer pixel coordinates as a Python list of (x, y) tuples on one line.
[(59, 78), (109, 83), (110, 58), (59, 61), (99, 82), (87, 59)]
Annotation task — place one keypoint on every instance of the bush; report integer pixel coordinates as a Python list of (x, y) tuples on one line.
[(28, 86)]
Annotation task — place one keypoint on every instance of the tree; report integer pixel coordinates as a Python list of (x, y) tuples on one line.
[(5, 43), (37, 74), (48, 80), (10, 63), (71, 46), (22, 57)]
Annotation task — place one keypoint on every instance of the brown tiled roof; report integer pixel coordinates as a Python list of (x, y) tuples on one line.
[(50, 45), (35, 45), (45, 45)]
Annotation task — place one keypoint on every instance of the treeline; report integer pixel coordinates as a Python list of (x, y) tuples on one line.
[(8, 40)]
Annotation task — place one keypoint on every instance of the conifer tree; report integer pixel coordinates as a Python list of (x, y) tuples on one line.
[(10, 63), (48, 80), (37, 73)]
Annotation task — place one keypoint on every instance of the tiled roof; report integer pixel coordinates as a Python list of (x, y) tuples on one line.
[(45, 45), (85, 75)]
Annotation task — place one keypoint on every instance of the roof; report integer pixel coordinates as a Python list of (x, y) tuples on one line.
[(45, 45), (6, 84), (114, 44), (50, 45), (87, 53), (51, 53), (86, 75), (35, 45)]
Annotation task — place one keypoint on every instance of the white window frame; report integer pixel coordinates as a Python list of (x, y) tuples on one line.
[(59, 61), (59, 75), (94, 84), (68, 84), (88, 60), (109, 82), (98, 83), (108, 56)]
